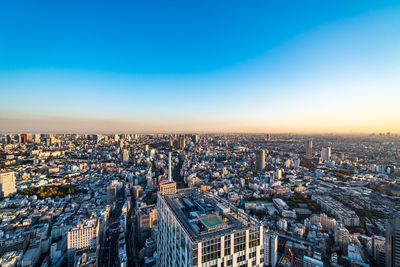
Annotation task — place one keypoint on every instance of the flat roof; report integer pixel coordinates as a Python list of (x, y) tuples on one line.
[(201, 216), (211, 221)]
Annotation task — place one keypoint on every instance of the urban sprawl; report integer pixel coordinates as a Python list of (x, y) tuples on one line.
[(214, 200)]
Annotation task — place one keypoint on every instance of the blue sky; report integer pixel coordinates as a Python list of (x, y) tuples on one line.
[(264, 66)]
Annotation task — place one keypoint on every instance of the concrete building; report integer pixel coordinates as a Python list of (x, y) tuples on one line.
[(197, 228), (7, 183), (260, 160), (379, 250), (326, 154), (168, 187), (393, 242), (270, 249), (84, 235), (125, 155), (308, 150), (111, 194)]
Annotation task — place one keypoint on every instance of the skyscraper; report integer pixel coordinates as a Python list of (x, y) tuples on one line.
[(260, 160), (309, 150), (168, 187), (7, 183), (393, 242), (125, 155), (196, 228), (270, 249), (326, 153)]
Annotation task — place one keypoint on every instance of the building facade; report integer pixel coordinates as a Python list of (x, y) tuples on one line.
[(270, 249), (7, 183), (393, 242), (197, 228)]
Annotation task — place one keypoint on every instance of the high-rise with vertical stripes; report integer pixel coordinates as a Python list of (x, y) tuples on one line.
[(196, 228)]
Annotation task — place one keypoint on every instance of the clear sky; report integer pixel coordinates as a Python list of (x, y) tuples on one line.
[(230, 66)]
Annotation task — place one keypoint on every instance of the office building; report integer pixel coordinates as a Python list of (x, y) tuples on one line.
[(23, 139), (393, 242), (85, 235), (260, 160), (379, 250), (308, 150), (7, 183), (125, 155), (181, 142), (196, 228), (111, 194), (270, 249), (326, 154)]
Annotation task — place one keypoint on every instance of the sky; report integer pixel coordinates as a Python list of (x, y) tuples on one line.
[(200, 66)]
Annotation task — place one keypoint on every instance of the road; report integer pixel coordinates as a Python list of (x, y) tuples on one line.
[(109, 247)]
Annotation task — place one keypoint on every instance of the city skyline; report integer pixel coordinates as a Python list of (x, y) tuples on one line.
[(200, 67)]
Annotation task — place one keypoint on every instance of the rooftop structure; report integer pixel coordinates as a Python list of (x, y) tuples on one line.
[(201, 219), (204, 215)]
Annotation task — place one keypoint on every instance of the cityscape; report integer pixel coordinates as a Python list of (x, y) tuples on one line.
[(199, 133), (199, 200)]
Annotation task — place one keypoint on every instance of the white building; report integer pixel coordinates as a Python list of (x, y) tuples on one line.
[(7, 183), (197, 228), (84, 235), (326, 154), (270, 248)]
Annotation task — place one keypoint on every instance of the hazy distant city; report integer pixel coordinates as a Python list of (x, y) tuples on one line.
[(153, 133)]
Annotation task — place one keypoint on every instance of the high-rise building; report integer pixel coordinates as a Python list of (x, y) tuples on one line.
[(24, 139), (379, 250), (37, 138), (197, 228), (181, 142), (125, 155), (111, 194), (326, 154), (168, 187), (85, 235), (7, 183), (309, 150), (270, 249), (393, 242), (260, 160), (195, 138)]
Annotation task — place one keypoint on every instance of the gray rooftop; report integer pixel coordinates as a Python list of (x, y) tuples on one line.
[(205, 216)]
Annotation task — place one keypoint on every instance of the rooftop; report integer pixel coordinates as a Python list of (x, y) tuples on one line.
[(204, 216)]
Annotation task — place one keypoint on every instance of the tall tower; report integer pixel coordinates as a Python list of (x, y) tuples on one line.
[(309, 150), (393, 242), (326, 153), (260, 160), (169, 168), (168, 187)]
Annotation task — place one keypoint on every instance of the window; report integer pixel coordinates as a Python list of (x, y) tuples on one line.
[(254, 237), (194, 255), (227, 245), (211, 250), (241, 258), (240, 241)]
